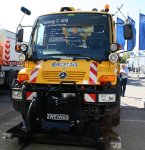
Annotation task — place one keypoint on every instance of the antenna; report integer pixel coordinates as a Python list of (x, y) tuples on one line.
[(119, 10), (21, 20)]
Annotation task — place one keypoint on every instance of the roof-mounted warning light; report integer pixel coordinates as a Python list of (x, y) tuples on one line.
[(106, 7), (102, 10), (94, 9), (67, 9)]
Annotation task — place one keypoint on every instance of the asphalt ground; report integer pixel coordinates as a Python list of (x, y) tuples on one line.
[(132, 125)]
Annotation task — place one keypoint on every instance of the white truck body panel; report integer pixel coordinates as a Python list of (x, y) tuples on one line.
[(129, 63), (136, 62), (10, 36), (9, 62)]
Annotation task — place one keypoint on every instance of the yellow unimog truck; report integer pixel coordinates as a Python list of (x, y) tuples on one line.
[(69, 86)]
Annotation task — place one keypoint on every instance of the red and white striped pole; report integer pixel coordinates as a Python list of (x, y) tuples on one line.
[(33, 77), (92, 81)]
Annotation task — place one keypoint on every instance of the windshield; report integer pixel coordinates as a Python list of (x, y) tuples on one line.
[(65, 35)]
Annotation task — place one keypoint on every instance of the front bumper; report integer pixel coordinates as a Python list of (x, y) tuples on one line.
[(23, 95)]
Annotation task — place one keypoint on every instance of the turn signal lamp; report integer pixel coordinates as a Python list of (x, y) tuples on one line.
[(17, 48), (106, 7), (22, 77), (107, 78), (21, 48), (120, 47)]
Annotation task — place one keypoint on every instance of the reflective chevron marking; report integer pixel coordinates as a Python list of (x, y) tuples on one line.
[(13, 63), (30, 95), (7, 50), (34, 73)]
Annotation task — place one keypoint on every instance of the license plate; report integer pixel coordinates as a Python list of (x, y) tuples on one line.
[(63, 117)]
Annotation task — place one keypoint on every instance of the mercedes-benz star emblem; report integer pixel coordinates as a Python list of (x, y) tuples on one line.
[(62, 75)]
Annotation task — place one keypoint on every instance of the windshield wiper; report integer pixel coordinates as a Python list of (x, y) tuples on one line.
[(52, 58), (74, 57), (88, 58), (58, 56)]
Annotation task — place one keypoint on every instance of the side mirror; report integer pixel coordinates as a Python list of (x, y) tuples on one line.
[(25, 11), (20, 35), (128, 31), (20, 32)]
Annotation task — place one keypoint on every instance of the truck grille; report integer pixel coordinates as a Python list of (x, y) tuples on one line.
[(53, 76)]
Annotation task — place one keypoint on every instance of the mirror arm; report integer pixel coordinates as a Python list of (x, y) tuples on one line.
[(19, 25), (27, 26), (124, 51)]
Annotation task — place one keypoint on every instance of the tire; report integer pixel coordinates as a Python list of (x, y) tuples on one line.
[(32, 114), (24, 140), (103, 141), (116, 119), (102, 146), (11, 76), (106, 122)]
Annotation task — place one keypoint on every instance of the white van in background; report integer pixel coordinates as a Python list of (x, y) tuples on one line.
[(136, 63)]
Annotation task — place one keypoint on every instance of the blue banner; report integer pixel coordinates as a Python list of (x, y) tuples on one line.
[(142, 32), (131, 43), (119, 31)]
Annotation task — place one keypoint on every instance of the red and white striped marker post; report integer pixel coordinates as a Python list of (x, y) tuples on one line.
[(33, 77), (92, 81)]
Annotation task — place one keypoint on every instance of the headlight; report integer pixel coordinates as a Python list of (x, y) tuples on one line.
[(114, 47), (21, 57), (113, 57), (16, 94), (105, 98), (24, 47)]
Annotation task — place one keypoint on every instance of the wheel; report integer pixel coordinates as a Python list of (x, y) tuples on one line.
[(11, 76), (24, 140), (106, 122), (116, 119), (103, 140), (20, 141), (102, 146), (24, 121), (31, 118)]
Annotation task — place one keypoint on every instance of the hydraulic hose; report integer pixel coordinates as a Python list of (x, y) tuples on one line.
[(31, 109)]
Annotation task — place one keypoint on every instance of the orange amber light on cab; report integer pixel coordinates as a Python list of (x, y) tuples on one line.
[(17, 48), (22, 77), (106, 7), (107, 78)]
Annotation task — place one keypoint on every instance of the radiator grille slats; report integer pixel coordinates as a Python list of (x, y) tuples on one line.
[(51, 76)]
